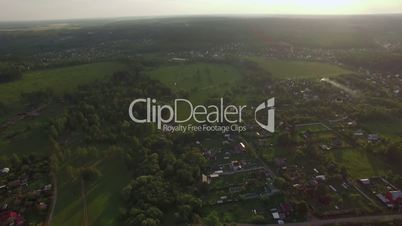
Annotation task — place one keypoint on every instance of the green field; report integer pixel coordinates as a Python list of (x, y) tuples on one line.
[(102, 196), (391, 129), (282, 69), (200, 79), (359, 164), (60, 79)]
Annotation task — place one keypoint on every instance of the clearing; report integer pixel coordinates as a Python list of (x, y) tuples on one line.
[(200, 80), (59, 80), (283, 69)]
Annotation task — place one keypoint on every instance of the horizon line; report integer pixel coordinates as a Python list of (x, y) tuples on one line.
[(240, 15)]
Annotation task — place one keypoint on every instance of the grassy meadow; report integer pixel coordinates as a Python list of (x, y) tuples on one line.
[(102, 197), (283, 69), (59, 80), (360, 164), (200, 80), (391, 129)]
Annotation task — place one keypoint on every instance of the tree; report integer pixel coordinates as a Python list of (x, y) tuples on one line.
[(150, 190), (9, 74), (258, 219), (212, 219), (280, 182), (90, 173), (302, 208), (284, 139)]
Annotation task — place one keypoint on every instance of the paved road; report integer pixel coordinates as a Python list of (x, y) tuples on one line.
[(362, 219)]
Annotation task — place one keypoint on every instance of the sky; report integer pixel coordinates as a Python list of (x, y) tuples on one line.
[(25, 10)]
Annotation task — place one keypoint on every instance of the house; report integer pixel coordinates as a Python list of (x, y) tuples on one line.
[(4, 171), (321, 177), (236, 165), (384, 200), (394, 197), (373, 137), (47, 187), (365, 182), (205, 179), (178, 60), (42, 206), (241, 147), (276, 216), (11, 218), (325, 147), (358, 133)]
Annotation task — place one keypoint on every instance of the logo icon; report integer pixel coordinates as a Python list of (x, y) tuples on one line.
[(270, 106)]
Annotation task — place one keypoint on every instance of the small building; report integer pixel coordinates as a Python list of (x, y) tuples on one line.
[(384, 200), (178, 60), (332, 188), (4, 171), (236, 165), (241, 147), (321, 177), (11, 218), (358, 133), (47, 187), (394, 197), (42, 206), (325, 147), (365, 181), (276, 216), (205, 179), (373, 137)]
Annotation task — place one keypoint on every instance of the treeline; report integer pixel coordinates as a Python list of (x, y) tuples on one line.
[(376, 61), (9, 74)]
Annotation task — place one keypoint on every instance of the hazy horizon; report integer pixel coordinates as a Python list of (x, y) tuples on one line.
[(21, 10)]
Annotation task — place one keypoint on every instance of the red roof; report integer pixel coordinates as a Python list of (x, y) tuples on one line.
[(394, 196), (11, 216)]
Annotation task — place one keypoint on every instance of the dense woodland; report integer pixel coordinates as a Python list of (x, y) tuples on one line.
[(9, 74)]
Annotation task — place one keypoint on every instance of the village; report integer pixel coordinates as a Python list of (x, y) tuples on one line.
[(237, 174), (25, 191)]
